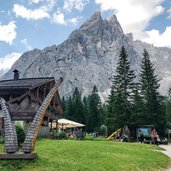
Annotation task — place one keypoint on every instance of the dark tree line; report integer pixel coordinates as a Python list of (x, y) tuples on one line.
[(132, 100), (87, 111)]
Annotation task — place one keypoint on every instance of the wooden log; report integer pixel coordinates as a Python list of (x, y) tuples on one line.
[(18, 156)]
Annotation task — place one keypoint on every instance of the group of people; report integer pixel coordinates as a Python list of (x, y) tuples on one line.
[(77, 133), (121, 136)]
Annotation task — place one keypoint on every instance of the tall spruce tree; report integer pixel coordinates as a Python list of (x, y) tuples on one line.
[(95, 107), (63, 102), (78, 107), (86, 113), (69, 109), (149, 90), (138, 106), (120, 104)]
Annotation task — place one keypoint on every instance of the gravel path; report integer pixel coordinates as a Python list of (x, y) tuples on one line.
[(167, 152), (167, 148)]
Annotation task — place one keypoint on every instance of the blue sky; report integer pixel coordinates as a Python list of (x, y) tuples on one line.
[(29, 24)]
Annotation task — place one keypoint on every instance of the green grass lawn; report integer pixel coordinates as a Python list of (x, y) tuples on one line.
[(72, 155)]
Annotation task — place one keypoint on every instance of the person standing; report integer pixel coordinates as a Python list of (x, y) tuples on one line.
[(141, 137), (154, 136)]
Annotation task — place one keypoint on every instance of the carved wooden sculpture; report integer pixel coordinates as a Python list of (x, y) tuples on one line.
[(10, 136), (29, 143)]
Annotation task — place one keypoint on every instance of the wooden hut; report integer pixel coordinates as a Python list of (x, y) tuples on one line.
[(24, 97)]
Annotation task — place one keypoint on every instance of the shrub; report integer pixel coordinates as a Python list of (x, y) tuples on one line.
[(20, 134), (1, 139), (91, 138), (59, 135), (62, 135)]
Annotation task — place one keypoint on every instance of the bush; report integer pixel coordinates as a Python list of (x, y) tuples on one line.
[(59, 135), (62, 135), (1, 139), (20, 134), (91, 138)]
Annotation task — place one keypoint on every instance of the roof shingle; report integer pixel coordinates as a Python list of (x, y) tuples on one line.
[(25, 83)]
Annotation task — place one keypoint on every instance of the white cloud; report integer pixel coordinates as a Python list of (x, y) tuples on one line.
[(58, 18), (133, 15), (48, 6), (76, 4), (169, 12), (29, 14), (36, 1), (73, 21), (28, 47), (159, 39), (8, 32), (7, 61), (45, 5)]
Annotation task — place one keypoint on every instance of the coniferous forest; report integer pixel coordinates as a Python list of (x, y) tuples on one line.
[(133, 100)]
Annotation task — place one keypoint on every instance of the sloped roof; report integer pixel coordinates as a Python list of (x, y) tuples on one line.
[(24, 84)]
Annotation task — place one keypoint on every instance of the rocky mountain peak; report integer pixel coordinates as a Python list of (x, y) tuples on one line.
[(89, 57), (130, 37), (96, 18), (113, 20)]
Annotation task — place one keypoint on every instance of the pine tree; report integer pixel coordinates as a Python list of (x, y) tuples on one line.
[(111, 119), (86, 113), (104, 113), (94, 120), (69, 109), (64, 105), (78, 106), (138, 107), (120, 104), (149, 88)]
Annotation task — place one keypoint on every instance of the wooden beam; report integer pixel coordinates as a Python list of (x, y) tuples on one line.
[(44, 91), (18, 99), (37, 94), (56, 124), (18, 156), (22, 116), (51, 124), (47, 122)]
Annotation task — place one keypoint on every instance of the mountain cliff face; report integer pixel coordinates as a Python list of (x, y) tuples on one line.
[(161, 58), (89, 57)]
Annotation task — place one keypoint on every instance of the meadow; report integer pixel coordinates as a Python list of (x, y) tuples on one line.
[(86, 155)]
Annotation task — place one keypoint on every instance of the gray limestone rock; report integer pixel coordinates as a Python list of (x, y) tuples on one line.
[(89, 57)]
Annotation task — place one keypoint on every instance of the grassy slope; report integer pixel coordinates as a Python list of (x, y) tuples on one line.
[(70, 155)]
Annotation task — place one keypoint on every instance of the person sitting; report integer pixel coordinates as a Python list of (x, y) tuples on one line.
[(125, 138), (117, 136)]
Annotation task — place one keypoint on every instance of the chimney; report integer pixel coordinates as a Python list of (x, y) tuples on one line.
[(16, 74)]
